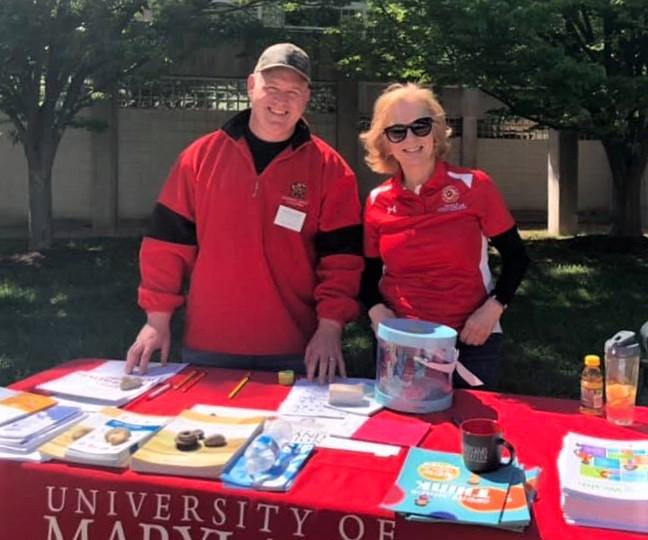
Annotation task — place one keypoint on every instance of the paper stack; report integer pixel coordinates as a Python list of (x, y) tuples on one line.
[(20, 439), (15, 404), (195, 444), (604, 482), (106, 438), (436, 487), (105, 384), (309, 398)]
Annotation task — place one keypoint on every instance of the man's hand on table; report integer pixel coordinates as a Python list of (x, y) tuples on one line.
[(324, 352), (154, 335)]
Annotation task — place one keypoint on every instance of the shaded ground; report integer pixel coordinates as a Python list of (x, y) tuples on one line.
[(78, 299)]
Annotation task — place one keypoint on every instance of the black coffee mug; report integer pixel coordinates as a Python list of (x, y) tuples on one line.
[(481, 445)]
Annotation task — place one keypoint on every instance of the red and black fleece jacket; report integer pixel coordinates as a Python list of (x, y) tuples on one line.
[(256, 286)]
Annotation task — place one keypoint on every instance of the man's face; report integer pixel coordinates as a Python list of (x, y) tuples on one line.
[(278, 99)]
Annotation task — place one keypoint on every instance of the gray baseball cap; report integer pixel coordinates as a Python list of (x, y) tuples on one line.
[(285, 55)]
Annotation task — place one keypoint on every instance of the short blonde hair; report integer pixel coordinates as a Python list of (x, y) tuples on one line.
[(378, 157)]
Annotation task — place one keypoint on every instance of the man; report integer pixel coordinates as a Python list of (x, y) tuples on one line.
[(264, 218)]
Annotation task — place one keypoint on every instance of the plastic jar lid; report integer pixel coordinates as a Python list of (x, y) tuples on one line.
[(416, 333)]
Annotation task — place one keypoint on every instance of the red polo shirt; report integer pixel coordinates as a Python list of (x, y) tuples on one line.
[(434, 244)]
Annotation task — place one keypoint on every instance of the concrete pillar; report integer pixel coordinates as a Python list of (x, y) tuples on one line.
[(469, 113), (346, 121), (105, 167), (562, 189)]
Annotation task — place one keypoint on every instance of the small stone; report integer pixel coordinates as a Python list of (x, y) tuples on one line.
[(130, 383), (215, 441), (187, 440), (79, 432), (117, 436)]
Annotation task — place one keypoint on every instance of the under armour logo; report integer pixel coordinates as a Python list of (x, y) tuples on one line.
[(391, 209)]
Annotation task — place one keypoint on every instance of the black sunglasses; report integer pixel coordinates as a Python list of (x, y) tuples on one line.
[(421, 127)]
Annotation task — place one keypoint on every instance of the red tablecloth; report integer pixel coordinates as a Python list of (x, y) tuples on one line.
[(335, 497)]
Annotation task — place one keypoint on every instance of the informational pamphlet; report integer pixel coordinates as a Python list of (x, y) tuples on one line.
[(15, 404), (170, 453), (436, 486), (604, 482), (108, 384), (106, 438), (23, 436), (309, 398)]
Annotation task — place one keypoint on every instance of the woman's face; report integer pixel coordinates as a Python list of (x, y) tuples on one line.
[(412, 150)]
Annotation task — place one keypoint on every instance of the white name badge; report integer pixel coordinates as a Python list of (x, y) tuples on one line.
[(289, 218)]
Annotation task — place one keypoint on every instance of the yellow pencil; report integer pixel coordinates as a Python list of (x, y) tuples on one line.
[(240, 385)]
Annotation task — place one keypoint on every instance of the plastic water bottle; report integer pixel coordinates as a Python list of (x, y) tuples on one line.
[(262, 453), (592, 386)]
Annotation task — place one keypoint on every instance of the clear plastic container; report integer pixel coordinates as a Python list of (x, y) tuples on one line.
[(262, 453), (415, 362), (621, 380)]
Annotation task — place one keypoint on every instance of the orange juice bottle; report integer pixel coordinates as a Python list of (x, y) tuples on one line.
[(592, 386)]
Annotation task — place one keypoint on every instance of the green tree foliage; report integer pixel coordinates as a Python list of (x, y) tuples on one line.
[(60, 56), (56, 58), (568, 64)]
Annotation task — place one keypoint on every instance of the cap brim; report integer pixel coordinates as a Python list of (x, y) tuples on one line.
[(291, 68)]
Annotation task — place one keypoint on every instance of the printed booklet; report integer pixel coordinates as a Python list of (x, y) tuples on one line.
[(604, 482), (23, 436), (195, 444), (106, 438), (108, 384), (15, 404), (436, 486)]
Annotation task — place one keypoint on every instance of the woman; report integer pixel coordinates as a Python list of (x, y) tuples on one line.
[(427, 230)]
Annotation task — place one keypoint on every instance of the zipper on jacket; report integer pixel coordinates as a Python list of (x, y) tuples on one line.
[(280, 157)]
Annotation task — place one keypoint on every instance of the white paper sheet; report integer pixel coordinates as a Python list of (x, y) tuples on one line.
[(308, 398)]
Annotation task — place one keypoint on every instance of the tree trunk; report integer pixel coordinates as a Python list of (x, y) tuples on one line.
[(40, 159), (627, 163)]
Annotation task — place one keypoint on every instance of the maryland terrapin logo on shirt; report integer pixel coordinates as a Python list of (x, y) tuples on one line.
[(297, 195), (298, 191), (449, 194), (450, 197)]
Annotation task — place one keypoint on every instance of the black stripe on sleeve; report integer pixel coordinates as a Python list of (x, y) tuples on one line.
[(369, 286), (169, 226), (343, 241), (514, 264)]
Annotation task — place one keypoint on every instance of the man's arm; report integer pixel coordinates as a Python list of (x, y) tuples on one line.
[(167, 255), (339, 248)]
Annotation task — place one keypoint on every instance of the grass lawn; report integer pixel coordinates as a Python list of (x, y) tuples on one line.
[(78, 300)]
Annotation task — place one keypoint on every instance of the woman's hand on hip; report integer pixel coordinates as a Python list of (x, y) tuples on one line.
[(481, 323)]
